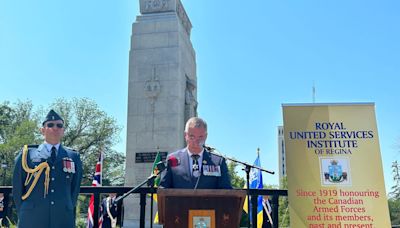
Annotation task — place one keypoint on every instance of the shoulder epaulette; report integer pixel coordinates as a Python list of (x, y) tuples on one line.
[(34, 173), (33, 146), (69, 148)]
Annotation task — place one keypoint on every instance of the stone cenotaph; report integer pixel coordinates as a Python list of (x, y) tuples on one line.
[(162, 92)]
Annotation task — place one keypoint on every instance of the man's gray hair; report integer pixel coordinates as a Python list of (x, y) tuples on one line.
[(195, 122)]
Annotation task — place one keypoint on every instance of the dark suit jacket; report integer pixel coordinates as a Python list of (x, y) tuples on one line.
[(3, 214), (113, 211), (55, 209), (266, 222), (178, 174)]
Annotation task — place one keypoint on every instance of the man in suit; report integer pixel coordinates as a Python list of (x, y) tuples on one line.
[(109, 211), (46, 180), (194, 167)]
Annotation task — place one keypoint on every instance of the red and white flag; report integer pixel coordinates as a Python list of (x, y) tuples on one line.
[(97, 179)]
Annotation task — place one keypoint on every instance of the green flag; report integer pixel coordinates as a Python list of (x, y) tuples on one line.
[(155, 169)]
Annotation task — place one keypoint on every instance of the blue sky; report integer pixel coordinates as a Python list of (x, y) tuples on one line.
[(251, 57)]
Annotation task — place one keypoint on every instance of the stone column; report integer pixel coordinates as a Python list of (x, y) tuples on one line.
[(161, 61)]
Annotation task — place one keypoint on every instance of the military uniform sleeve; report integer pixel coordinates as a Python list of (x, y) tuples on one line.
[(18, 182), (225, 179), (103, 208), (76, 182)]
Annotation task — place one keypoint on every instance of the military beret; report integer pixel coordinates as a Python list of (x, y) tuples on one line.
[(52, 115)]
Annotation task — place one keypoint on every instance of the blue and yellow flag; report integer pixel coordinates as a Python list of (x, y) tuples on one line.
[(257, 183)]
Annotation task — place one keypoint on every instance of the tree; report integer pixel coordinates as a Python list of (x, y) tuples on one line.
[(236, 180), (87, 130), (91, 131), (6, 114), (17, 127), (284, 219), (394, 210), (395, 193), (394, 196)]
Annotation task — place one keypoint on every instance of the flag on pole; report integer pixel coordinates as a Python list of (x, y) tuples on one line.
[(257, 183), (97, 180), (155, 171)]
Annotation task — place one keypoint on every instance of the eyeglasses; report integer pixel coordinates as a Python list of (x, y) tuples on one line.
[(193, 137), (59, 125)]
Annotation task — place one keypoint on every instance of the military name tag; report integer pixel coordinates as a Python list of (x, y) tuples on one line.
[(36, 160), (68, 165), (212, 170)]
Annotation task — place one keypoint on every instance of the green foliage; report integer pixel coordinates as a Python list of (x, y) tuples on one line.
[(10, 224), (395, 193), (17, 127), (81, 210), (90, 131), (6, 117), (87, 130), (284, 219), (394, 196), (236, 180), (394, 210)]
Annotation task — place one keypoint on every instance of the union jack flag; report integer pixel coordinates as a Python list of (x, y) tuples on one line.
[(97, 179)]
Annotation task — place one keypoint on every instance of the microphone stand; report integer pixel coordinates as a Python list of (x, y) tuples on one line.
[(247, 168), (150, 182), (151, 185), (210, 150)]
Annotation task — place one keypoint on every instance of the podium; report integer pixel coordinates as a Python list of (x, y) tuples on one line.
[(211, 208)]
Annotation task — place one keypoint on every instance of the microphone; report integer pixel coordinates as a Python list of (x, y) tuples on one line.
[(212, 150), (209, 148), (161, 166)]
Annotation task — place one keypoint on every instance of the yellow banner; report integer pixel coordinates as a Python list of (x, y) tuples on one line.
[(334, 166)]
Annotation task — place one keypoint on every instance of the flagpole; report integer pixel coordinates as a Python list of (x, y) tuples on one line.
[(93, 210), (254, 201), (247, 169), (151, 204)]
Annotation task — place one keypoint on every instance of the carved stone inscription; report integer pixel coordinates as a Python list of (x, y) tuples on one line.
[(149, 157), (152, 6)]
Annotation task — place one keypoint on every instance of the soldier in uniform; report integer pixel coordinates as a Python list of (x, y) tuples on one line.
[(46, 180), (109, 211), (3, 210)]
